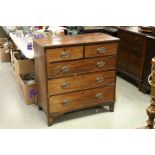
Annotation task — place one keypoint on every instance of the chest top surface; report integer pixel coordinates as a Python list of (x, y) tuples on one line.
[(135, 30), (81, 39)]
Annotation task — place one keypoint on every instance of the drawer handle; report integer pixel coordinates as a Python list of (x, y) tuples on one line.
[(65, 69), (99, 95), (65, 85), (136, 38), (101, 50), (135, 49), (65, 54), (99, 79), (100, 64), (66, 102)]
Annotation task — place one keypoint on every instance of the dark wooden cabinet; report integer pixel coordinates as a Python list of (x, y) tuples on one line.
[(75, 72), (135, 51), (131, 54), (150, 53)]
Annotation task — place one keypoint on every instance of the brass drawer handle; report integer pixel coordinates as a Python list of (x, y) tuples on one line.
[(101, 50), (99, 95), (65, 85), (65, 69), (66, 102), (65, 54), (99, 79), (100, 64)]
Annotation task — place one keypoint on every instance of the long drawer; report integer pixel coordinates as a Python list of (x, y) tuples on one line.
[(66, 53), (101, 50), (74, 101), (68, 68), (80, 82)]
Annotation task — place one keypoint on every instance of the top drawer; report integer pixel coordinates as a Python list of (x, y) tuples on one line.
[(131, 37), (66, 53), (101, 50)]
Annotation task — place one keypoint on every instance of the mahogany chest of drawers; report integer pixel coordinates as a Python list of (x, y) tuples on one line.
[(75, 73)]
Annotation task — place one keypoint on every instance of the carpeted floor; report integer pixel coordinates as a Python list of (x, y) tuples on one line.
[(130, 109)]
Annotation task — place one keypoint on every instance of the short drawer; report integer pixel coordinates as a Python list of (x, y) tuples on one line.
[(75, 67), (130, 37), (80, 82), (66, 53), (101, 50), (137, 51), (131, 47), (82, 99)]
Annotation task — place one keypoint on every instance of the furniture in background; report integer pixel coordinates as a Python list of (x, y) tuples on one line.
[(150, 53), (135, 51), (75, 73), (111, 30), (151, 109), (131, 54)]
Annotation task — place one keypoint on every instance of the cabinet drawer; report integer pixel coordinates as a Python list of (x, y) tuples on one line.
[(131, 37), (135, 66), (81, 99), (132, 48), (61, 54), (80, 82), (122, 61), (100, 50), (80, 66)]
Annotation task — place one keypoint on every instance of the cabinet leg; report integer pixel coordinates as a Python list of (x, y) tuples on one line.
[(145, 90), (51, 120), (139, 85), (118, 73), (111, 107), (39, 107)]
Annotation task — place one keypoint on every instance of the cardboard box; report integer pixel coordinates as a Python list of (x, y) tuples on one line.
[(12, 53), (29, 90), (23, 66), (2, 41), (16, 76), (4, 55)]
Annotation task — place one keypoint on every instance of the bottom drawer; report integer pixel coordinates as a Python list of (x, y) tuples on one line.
[(82, 99)]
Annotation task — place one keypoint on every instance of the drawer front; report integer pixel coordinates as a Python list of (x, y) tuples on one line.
[(135, 66), (61, 54), (123, 46), (131, 37), (80, 82), (82, 99), (81, 66), (101, 50), (137, 50), (130, 47)]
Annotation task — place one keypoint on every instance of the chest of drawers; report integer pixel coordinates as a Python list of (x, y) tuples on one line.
[(75, 73)]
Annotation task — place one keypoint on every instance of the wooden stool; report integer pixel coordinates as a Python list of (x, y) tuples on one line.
[(151, 109)]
